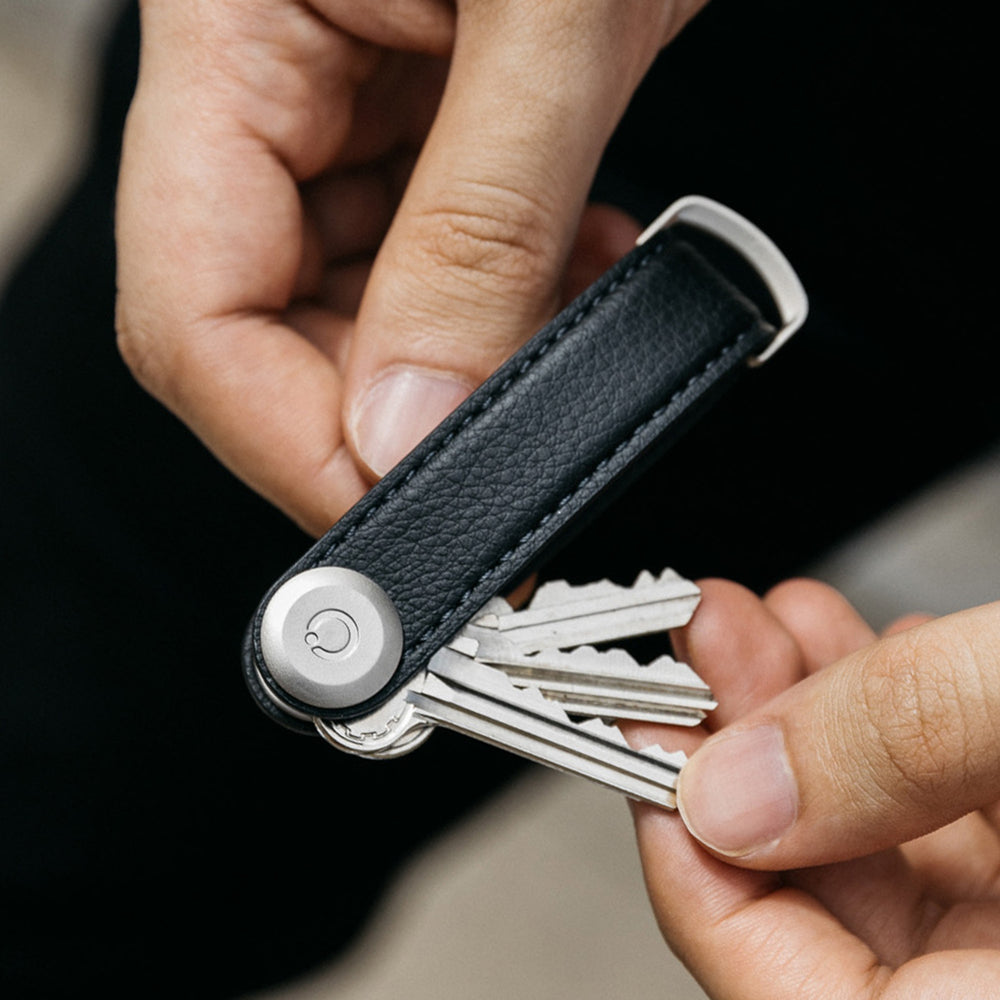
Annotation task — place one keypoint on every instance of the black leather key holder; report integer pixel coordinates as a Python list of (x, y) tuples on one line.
[(570, 419)]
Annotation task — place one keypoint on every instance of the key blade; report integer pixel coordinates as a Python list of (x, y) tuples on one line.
[(665, 691), (562, 616), (592, 668), (611, 684), (481, 702)]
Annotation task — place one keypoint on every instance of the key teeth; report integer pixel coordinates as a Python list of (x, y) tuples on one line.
[(552, 593), (683, 673), (480, 701), (594, 725), (556, 592), (611, 655), (675, 758), (647, 579), (531, 694), (607, 731), (680, 674)]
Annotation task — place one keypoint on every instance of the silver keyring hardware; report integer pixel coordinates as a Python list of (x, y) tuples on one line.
[(756, 247)]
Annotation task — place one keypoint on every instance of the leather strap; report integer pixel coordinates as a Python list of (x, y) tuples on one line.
[(564, 425)]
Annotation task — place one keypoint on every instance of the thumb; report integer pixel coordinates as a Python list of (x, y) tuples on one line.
[(883, 746), (474, 259)]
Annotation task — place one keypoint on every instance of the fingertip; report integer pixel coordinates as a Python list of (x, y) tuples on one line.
[(719, 604), (739, 649), (323, 506), (708, 616), (799, 588), (824, 623)]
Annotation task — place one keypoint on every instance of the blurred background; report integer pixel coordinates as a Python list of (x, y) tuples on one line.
[(48, 65), (537, 894)]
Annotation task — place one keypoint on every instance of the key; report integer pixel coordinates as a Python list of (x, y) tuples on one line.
[(468, 697), (612, 685), (587, 681), (561, 616)]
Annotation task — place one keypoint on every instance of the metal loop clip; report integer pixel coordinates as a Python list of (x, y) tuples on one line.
[(756, 247)]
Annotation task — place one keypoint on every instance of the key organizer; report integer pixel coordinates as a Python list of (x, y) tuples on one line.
[(570, 419)]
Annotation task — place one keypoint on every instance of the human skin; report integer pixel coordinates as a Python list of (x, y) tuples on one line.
[(849, 789), (336, 218)]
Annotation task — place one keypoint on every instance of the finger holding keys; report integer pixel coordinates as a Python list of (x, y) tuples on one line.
[(892, 741)]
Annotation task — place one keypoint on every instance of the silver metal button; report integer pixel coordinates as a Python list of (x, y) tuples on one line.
[(331, 637)]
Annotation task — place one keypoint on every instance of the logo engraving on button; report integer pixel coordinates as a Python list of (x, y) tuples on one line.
[(331, 634)]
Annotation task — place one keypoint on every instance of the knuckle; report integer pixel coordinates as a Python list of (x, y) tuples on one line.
[(498, 241), (149, 357), (133, 346)]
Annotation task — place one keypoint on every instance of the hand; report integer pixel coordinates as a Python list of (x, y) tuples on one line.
[(269, 155), (850, 804)]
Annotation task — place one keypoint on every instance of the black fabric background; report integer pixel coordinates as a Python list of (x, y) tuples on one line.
[(158, 835)]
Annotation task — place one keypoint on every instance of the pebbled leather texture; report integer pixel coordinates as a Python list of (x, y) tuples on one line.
[(570, 419)]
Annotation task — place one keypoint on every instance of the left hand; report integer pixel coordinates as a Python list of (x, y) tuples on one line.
[(874, 763), (306, 292)]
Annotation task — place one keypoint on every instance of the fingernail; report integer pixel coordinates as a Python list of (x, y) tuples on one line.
[(737, 794), (400, 409)]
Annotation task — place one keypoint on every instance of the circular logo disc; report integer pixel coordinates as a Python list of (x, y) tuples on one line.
[(331, 637)]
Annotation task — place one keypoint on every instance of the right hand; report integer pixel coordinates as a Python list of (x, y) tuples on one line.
[(849, 803), (291, 285)]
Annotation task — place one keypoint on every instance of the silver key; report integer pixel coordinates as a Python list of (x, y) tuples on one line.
[(562, 616), (612, 685), (457, 692), (586, 681)]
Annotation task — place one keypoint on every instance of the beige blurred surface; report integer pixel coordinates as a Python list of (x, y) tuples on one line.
[(47, 70), (539, 895)]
